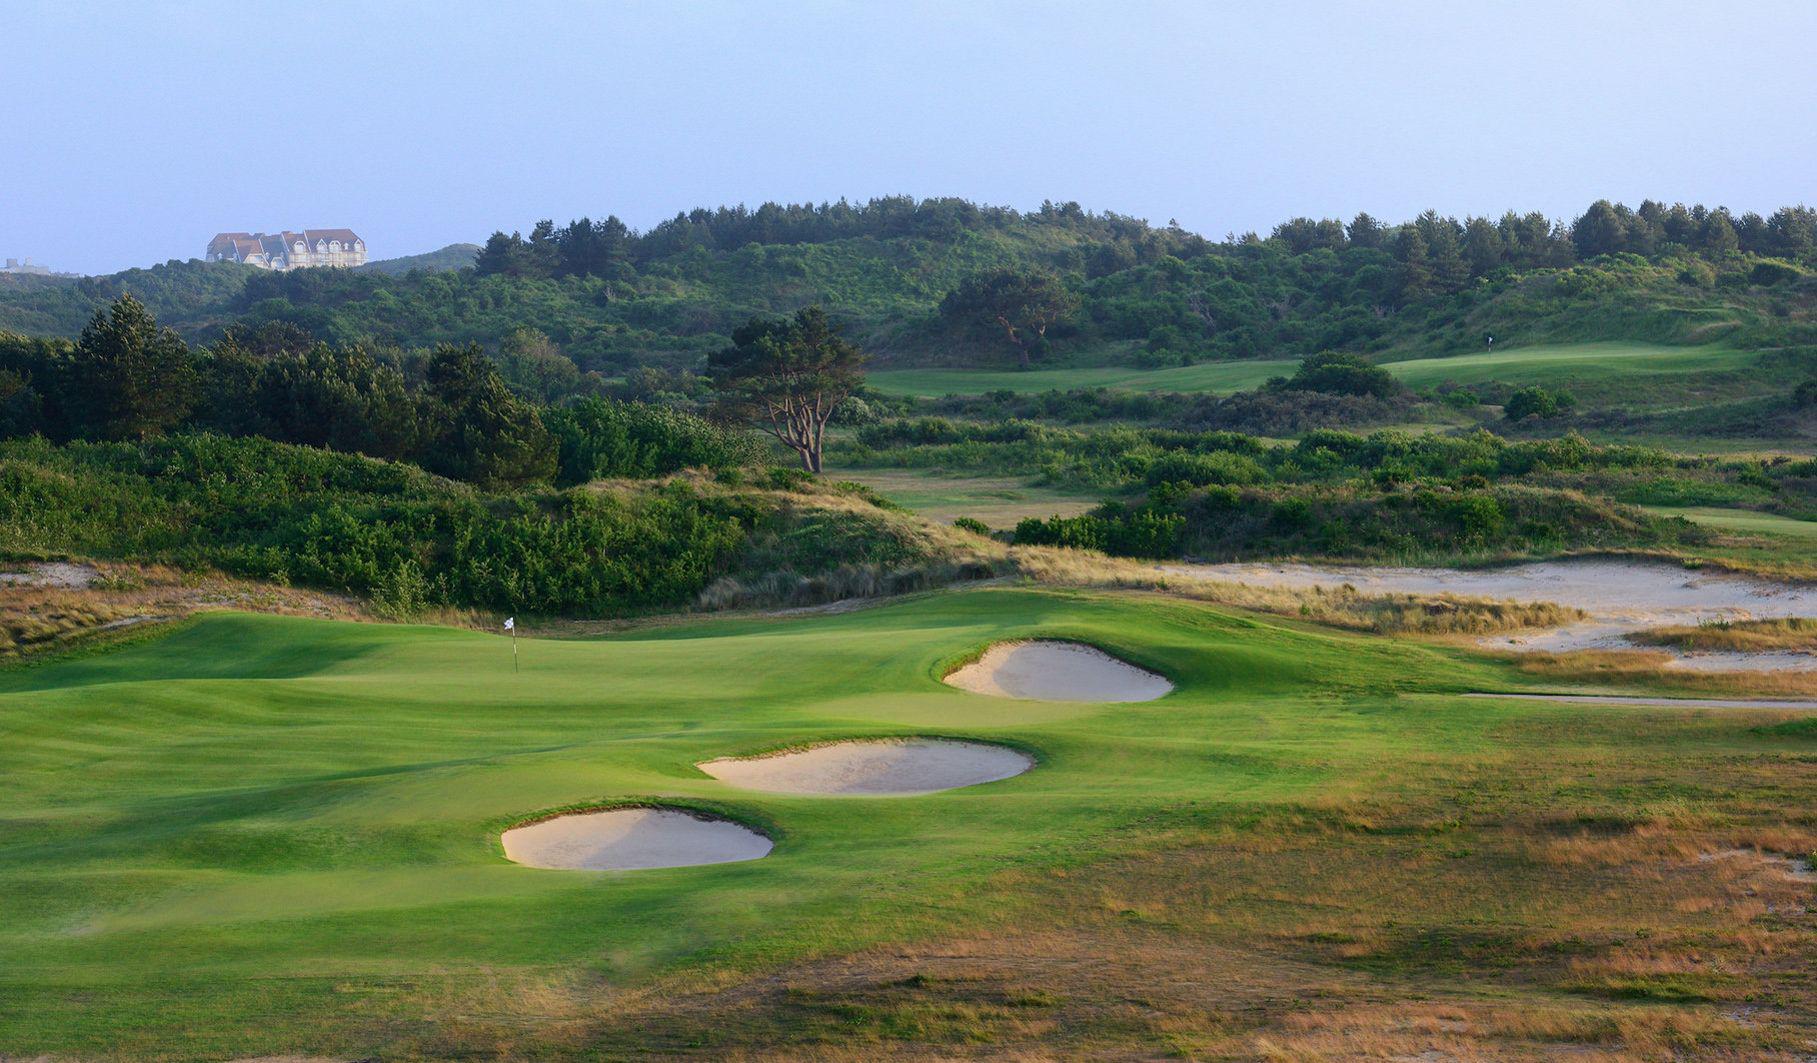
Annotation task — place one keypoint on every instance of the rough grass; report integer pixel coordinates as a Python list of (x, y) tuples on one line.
[(1796, 634), (124, 598), (1342, 606), (1646, 670)]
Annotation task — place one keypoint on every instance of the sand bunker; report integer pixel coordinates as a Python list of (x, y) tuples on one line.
[(873, 768), (1047, 670), (1622, 597), (629, 839)]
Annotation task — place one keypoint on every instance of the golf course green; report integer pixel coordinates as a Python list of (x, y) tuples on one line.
[(258, 835)]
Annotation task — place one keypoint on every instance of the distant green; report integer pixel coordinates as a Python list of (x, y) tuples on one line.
[(1631, 365)]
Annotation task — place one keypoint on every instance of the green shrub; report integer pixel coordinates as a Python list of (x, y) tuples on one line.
[(1535, 401)]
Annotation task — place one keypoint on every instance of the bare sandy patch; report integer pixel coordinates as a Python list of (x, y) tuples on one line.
[(1790, 867), (58, 574), (631, 839), (1050, 670), (878, 768), (1619, 597)]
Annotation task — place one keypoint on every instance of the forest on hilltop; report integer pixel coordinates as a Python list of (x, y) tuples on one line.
[(1124, 291)]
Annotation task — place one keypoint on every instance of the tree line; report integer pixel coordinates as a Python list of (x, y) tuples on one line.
[(584, 247), (448, 410)]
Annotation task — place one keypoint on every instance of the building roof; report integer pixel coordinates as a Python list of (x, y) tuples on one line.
[(274, 245), (345, 236), (223, 241)]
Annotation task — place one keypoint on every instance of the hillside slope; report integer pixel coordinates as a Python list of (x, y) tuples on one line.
[(1138, 295)]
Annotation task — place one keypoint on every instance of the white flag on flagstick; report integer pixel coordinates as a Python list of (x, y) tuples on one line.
[(511, 623)]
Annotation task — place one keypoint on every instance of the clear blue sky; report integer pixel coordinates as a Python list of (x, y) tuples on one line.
[(131, 132)]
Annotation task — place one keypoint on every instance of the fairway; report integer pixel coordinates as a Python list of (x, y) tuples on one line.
[(998, 501), (1217, 377), (260, 835), (1579, 364), (1745, 521)]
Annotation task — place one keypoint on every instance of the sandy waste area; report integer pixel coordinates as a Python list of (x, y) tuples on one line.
[(1049, 670), (1622, 598), (59, 574)]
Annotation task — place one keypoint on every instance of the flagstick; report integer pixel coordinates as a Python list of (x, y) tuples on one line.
[(514, 649)]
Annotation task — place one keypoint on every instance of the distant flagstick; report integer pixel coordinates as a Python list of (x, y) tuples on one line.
[(511, 626)]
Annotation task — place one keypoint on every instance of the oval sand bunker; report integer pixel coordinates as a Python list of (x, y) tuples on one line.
[(630, 839), (874, 768), (1048, 670)]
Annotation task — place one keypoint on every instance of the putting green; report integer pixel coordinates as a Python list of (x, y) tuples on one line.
[(259, 835)]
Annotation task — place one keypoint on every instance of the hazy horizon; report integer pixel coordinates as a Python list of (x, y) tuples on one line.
[(138, 131)]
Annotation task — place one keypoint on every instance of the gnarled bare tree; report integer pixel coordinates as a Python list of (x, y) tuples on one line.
[(787, 377)]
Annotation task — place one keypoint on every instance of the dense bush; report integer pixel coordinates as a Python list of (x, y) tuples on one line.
[(1352, 521), (599, 438), (1340, 373), (286, 513), (1537, 402)]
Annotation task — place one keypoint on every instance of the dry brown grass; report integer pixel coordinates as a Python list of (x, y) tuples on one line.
[(1341, 930), (1797, 634), (36, 620), (1652, 669), (1342, 606)]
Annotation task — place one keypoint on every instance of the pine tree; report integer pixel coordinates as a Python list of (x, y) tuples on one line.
[(1365, 231), (1416, 269), (139, 375), (1483, 247), (1716, 236)]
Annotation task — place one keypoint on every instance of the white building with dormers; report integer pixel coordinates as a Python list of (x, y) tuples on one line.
[(289, 250)]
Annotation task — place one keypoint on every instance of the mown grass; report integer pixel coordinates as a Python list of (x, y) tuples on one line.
[(1766, 543), (998, 501), (1217, 377), (1640, 374), (1744, 521), (266, 834)]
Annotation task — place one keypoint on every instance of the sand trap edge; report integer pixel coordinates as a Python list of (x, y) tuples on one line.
[(1033, 757), (758, 825), (945, 675), (802, 747)]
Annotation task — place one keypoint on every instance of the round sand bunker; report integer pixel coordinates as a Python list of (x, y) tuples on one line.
[(1048, 670), (874, 768), (629, 839)]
